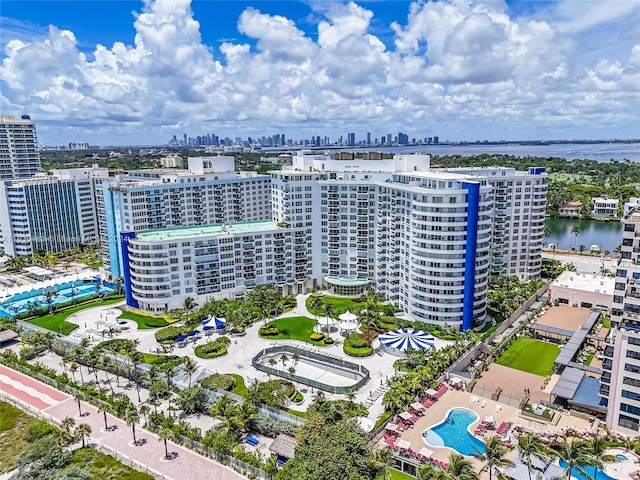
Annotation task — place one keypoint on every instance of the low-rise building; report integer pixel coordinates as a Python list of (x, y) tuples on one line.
[(571, 210), (605, 206), (583, 290)]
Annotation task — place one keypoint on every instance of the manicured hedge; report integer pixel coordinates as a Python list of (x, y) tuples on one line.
[(355, 346), (316, 337), (213, 349), (217, 380), (168, 334)]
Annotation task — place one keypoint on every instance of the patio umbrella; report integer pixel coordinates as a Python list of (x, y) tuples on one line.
[(431, 392), (405, 416), (425, 452), (181, 338), (489, 419), (392, 427), (417, 406), (348, 317), (403, 444)]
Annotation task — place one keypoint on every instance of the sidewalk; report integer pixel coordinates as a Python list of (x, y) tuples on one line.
[(58, 405)]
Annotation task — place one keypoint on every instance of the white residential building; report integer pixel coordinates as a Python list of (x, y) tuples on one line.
[(633, 203), (47, 213), (163, 267), (19, 155), (605, 206), (519, 201), (209, 192)]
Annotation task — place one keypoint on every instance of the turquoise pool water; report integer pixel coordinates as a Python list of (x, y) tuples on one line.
[(590, 470), (19, 303), (453, 432), (621, 457)]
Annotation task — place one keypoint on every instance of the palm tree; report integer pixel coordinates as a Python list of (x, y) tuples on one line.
[(316, 304), (576, 454), (283, 359), (459, 469), (74, 291), (575, 230), (582, 248), (81, 432), (529, 447), (246, 413), (48, 298), (384, 458), (190, 366), (67, 424), (272, 362), (144, 411), (597, 447), (546, 233), (104, 408), (165, 434), (494, 455), (351, 395), (329, 309), (73, 368), (296, 358), (131, 416), (188, 305), (291, 370)]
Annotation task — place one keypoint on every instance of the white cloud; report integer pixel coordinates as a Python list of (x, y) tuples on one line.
[(455, 66)]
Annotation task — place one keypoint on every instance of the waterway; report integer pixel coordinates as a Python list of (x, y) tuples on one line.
[(601, 152), (607, 235)]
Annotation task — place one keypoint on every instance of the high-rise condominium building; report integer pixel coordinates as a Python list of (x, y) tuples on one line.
[(19, 156), (620, 381), (519, 202), (49, 212), (209, 192)]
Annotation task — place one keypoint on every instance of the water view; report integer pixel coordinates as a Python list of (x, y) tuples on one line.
[(606, 235)]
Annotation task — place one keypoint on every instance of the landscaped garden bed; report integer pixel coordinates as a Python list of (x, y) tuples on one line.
[(293, 328), (356, 346), (213, 349), (219, 381)]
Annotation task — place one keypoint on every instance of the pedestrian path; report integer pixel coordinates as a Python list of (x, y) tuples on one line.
[(375, 395), (147, 454)]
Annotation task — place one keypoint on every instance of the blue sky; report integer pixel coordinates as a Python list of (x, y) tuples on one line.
[(128, 72)]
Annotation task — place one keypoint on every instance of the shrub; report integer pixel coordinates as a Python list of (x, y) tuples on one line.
[(168, 334), (316, 337), (328, 341), (357, 352), (217, 380), (268, 331), (214, 349), (354, 340), (266, 425)]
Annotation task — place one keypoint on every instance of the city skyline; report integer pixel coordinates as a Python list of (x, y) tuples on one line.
[(460, 70)]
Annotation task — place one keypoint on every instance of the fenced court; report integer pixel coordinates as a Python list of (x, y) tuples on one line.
[(528, 355)]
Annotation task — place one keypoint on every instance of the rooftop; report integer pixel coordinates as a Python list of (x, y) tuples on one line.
[(226, 229), (585, 282)]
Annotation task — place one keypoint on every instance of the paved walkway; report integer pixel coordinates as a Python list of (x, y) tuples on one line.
[(58, 405)]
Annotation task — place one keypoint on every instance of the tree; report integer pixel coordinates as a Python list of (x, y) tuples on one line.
[(494, 455), (546, 233), (384, 459), (582, 248), (529, 447), (81, 432), (332, 451), (190, 366), (284, 359), (131, 417), (329, 309), (597, 447), (48, 298), (165, 434), (192, 400), (459, 469), (188, 305), (576, 454), (575, 231), (316, 305)]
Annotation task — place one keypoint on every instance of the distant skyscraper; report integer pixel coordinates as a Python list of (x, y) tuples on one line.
[(436, 140), (389, 136), (19, 157), (351, 139), (368, 138)]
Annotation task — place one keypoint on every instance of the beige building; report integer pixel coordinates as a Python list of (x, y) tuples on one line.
[(583, 290)]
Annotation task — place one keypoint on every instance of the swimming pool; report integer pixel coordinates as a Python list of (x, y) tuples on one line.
[(621, 457), (590, 470), (453, 432), (65, 292)]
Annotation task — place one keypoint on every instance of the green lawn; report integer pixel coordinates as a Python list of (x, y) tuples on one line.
[(396, 475), (341, 304), (299, 328), (145, 322), (55, 321), (239, 388), (13, 426), (529, 355)]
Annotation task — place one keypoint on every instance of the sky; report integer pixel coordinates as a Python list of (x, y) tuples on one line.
[(138, 72)]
